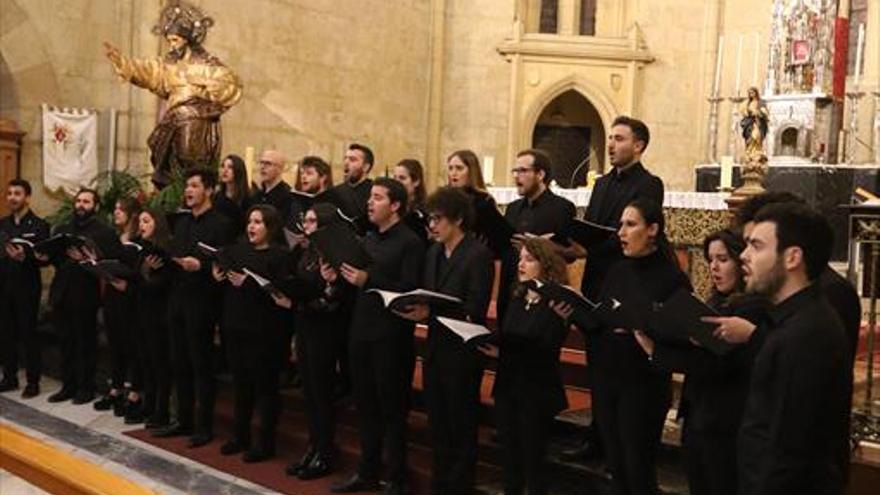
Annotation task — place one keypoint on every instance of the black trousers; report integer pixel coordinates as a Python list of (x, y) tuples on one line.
[(256, 382), (120, 322), (19, 310), (154, 342), (77, 326), (711, 462), (524, 431), (452, 392), (631, 417), (382, 378), (316, 353), (191, 326)]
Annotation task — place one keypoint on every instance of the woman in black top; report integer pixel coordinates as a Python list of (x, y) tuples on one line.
[(155, 274), (463, 171), (715, 388), (630, 396), (322, 315), (409, 172), (233, 196), (254, 320), (528, 386), (119, 311)]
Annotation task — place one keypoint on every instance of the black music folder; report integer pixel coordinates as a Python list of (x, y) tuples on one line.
[(337, 244), (678, 319), (398, 301), (107, 269)]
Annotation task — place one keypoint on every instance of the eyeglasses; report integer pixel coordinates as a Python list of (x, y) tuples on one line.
[(521, 170), (434, 218)]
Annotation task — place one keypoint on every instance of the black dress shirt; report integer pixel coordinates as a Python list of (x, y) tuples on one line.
[(279, 197), (398, 257), (417, 221), (546, 214), (795, 433), (210, 228), (610, 196), (352, 200), (23, 275), (235, 212)]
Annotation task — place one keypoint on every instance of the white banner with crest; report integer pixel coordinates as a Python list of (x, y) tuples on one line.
[(70, 148)]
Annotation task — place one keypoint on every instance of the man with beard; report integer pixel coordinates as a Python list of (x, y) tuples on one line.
[(354, 192), (315, 183), (381, 346), (192, 308), (20, 288), (75, 296), (795, 430), (538, 212), (273, 189), (198, 88)]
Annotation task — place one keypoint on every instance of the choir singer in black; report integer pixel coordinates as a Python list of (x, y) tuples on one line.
[(381, 344), (459, 265), (20, 288)]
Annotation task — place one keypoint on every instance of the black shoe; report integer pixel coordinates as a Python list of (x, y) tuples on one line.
[(257, 455), (106, 402), (396, 488), (83, 397), (134, 412), (294, 468), (173, 430), (62, 395), (321, 465), (587, 451), (30, 391), (200, 440), (8, 384), (232, 447), (356, 483), (120, 405)]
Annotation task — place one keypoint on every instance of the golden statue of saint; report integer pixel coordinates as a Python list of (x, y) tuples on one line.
[(197, 86), (754, 124)]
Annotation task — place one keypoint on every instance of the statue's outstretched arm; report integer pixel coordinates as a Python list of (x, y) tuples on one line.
[(148, 74)]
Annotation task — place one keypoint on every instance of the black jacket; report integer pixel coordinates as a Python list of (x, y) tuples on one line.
[(794, 437), (22, 277), (612, 192)]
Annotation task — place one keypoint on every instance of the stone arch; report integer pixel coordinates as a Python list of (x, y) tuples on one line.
[(594, 95)]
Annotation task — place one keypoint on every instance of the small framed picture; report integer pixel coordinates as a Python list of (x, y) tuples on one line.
[(800, 52)]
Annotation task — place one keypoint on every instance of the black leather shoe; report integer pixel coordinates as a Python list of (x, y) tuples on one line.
[(397, 488), (134, 412), (62, 395), (8, 384), (294, 468), (257, 455), (173, 430), (200, 440), (321, 465), (106, 402), (232, 447), (356, 483), (30, 391), (83, 397), (587, 451)]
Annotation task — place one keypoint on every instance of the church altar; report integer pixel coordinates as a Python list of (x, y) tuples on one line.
[(690, 217)]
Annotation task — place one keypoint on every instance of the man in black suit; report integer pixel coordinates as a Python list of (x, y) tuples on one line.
[(795, 432), (627, 181), (273, 190), (20, 288), (75, 296), (192, 308), (381, 343), (355, 190), (459, 265)]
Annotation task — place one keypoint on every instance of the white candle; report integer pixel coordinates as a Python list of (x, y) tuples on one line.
[(249, 163), (757, 54), (718, 59), (726, 172), (489, 169), (859, 56), (739, 52)]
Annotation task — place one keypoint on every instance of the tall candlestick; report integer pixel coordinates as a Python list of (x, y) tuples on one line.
[(739, 52), (726, 173), (489, 169), (859, 56), (249, 163), (718, 59), (757, 54)]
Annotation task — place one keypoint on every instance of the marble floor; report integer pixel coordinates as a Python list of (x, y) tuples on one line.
[(12, 484), (97, 437)]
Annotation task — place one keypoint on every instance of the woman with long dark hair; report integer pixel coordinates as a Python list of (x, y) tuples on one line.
[(233, 194), (463, 171), (631, 398), (253, 323), (322, 316), (120, 304), (155, 274), (715, 388), (409, 172), (528, 386)]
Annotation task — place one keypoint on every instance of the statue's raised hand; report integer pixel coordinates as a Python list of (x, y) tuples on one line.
[(112, 53)]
